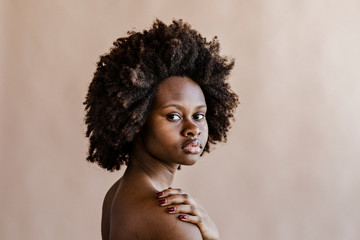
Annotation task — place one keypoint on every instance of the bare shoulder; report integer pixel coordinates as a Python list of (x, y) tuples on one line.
[(133, 212), (109, 196), (162, 225), (105, 219), (142, 218)]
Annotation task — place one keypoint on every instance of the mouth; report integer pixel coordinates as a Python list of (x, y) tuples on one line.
[(192, 146)]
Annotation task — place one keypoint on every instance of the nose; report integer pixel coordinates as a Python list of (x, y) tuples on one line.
[(191, 130)]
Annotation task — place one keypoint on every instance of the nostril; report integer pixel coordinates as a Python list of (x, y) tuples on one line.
[(191, 131), (189, 134)]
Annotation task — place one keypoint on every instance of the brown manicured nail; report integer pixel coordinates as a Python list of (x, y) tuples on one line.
[(183, 216), (170, 209), (159, 194), (162, 201)]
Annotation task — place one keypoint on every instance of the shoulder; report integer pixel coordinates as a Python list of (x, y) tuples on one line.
[(142, 217), (163, 225), (105, 219), (109, 196)]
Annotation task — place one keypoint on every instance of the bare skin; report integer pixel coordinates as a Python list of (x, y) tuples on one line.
[(141, 205)]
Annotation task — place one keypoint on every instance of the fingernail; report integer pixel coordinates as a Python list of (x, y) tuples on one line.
[(183, 216), (162, 201), (170, 209), (159, 194)]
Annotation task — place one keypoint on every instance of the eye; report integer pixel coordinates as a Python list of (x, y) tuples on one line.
[(173, 116), (199, 116)]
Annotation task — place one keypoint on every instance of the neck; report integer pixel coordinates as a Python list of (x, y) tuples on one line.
[(146, 167)]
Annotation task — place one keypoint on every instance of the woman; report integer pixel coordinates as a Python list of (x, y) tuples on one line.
[(157, 101)]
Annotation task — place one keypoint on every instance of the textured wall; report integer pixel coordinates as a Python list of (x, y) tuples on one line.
[(290, 169)]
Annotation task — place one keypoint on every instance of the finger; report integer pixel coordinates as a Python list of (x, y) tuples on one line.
[(190, 218), (188, 209), (168, 192), (183, 198)]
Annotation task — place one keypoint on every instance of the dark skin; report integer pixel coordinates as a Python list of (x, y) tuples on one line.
[(141, 205)]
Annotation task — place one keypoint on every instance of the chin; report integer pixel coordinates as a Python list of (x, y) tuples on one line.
[(191, 160)]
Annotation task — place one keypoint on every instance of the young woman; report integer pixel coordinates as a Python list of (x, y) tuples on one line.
[(157, 101)]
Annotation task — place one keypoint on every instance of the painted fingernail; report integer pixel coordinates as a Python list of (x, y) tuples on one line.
[(162, 201), (183, 216), (171, 209), (159, 194)]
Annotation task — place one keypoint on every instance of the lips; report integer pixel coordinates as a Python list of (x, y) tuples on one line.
[(192, 146)]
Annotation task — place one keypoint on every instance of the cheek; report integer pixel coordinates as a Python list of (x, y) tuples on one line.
[(160, 137), (205, 132), (163, 137)]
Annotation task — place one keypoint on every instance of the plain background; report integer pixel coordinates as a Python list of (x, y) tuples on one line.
[(290, 169)]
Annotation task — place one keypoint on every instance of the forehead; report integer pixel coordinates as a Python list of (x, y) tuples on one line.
[(179, 89)]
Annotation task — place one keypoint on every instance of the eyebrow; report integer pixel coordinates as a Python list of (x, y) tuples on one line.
[(181, 107)]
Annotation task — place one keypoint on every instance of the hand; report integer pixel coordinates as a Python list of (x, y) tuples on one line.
[(189, 209)]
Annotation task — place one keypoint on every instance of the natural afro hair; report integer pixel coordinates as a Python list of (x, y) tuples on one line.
[(120, 95)]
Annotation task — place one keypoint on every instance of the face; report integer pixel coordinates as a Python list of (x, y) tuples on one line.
[(176, 131)]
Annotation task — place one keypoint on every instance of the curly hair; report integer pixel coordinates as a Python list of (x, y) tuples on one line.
[(120, 95)]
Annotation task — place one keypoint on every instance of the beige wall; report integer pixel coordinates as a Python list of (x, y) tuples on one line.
[(290, 169)]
